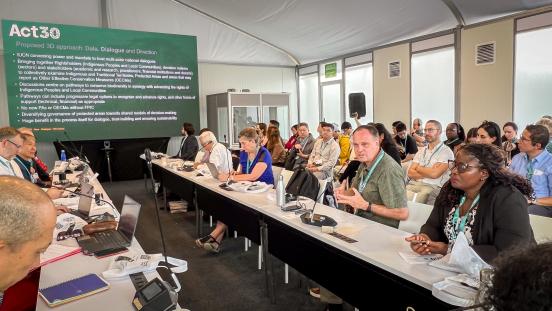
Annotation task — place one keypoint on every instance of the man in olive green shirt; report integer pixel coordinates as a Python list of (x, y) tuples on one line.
[(379, 190)]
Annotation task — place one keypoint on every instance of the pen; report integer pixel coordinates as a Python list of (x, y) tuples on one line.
[(420, 242)]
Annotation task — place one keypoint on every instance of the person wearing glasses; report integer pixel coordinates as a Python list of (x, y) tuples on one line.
[(255, 165), (10, 143), (483, 200), (215, 153), (535, 164), (429, 169)]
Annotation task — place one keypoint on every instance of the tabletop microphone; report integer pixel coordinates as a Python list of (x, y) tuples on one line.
[(89, 196)]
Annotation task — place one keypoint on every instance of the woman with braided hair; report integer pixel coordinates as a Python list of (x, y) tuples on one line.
[(483, 200)]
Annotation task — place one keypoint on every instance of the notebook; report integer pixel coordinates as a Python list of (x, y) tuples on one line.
[(73, 289)]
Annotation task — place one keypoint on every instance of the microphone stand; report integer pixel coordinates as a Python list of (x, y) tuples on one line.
[(80, 154), (321, 220), (147, 154), (89, 196), (69, 151)]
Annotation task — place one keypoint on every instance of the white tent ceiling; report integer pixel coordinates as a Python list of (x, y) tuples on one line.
[(274, 32), (311, 30)]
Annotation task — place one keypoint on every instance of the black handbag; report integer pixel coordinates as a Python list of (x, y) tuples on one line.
[(289, 163), (303, 183)]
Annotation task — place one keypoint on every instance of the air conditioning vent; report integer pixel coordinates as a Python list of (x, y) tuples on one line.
[(485, 53), (394, 69)]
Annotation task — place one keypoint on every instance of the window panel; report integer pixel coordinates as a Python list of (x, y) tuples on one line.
[(533, 77), (359, 79), (433, 86), (309, 110), (331, 103)]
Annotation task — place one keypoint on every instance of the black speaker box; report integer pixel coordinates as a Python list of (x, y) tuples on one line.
[(357, 103)]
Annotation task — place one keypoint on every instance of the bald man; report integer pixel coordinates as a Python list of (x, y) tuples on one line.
[(27, 221)]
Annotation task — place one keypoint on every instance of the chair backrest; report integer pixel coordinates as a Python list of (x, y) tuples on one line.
[(418, 213), (287, 175), (542, 228), (173, 146)]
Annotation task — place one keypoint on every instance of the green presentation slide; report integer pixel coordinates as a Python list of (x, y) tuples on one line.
[(84, 83)]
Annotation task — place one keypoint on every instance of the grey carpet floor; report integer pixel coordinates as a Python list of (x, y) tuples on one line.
[(229, 280)]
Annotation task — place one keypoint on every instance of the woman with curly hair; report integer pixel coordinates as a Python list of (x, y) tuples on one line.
[(522, 280), (482, 199)]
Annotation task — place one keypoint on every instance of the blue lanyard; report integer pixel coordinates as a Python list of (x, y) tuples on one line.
[(23, 164), (530, 169), (249, 163), (364, 179), (460, 224), (437, 149)]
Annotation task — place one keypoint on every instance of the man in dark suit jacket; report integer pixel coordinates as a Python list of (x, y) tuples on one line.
[(188, 145)]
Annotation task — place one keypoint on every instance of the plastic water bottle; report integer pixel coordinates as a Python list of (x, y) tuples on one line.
[(63, 156), (280, 192)]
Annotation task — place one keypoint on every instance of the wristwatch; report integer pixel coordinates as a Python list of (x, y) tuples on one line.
[(369, 208)]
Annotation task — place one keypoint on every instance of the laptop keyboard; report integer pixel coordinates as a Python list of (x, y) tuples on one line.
[(110, 239)]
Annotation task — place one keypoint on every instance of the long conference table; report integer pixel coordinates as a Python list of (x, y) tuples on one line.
[(361, 273), (121, 292)]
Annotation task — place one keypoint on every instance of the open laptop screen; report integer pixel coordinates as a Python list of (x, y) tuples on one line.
[(85, 201), (129, 217)]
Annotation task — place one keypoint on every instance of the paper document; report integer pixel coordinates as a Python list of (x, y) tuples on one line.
[(417, 259), (56, 252)]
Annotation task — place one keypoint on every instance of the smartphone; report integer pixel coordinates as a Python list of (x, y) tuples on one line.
[(109, 252)]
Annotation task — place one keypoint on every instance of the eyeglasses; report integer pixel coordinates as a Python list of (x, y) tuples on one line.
[(461, 167), (16, 145), (525, 138), (430, 130), (206, 144)]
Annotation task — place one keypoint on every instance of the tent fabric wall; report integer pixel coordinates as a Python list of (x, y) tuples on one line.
[(315, 30), (216, 42), (72, 12)]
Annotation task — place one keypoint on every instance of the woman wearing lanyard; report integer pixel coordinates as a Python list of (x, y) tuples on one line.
[(255, 165), (484, 201)]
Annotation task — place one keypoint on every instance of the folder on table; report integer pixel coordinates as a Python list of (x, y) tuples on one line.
[(73, 289)]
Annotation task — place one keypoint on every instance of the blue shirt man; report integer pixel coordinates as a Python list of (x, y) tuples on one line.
[(535, 164)]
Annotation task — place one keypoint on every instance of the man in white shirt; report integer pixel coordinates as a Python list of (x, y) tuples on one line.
[(324, 154), (215, 152), (429, 169), (10, 142)]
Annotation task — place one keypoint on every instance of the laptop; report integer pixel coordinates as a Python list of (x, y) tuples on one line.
[(111, 239), (213, 169), (85, 201)]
